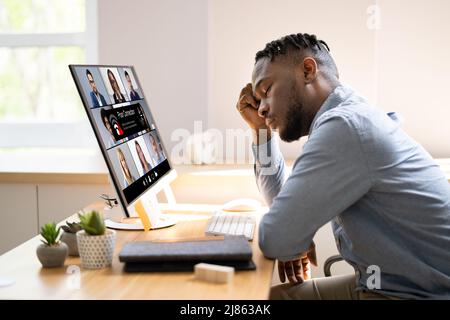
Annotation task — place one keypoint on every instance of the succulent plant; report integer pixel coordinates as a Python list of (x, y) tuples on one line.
[(72, 227), (50, 234), (92, 222)]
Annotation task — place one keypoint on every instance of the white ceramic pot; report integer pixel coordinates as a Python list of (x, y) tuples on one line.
[(96, 252)]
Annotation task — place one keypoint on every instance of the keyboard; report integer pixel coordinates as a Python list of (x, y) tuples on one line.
[(230, 223)]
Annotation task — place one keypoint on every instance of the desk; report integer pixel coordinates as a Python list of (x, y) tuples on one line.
[(34, 282)]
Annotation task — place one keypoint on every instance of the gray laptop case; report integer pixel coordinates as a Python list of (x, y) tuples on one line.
[(144, 256)]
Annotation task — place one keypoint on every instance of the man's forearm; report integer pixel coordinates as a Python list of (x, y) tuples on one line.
[(269, 169), (261, 136)]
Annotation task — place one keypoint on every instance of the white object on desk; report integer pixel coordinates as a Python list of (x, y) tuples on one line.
[(231, 223), (242, 205), (6, 282), (162, 222), (213, 273)]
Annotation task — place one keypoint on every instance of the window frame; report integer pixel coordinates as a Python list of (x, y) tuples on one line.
[(75, 134)]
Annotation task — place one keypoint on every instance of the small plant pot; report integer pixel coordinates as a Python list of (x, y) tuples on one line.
[(71, 240), (96, 252), (52, 256)]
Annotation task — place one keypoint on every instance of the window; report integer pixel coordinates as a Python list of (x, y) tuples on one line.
[(38, 40)]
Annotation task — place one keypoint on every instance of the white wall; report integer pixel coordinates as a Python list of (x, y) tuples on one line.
[(166, 40), (414, 68)]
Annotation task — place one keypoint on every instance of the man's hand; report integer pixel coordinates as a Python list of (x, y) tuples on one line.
[(298, 270), (248, 109)]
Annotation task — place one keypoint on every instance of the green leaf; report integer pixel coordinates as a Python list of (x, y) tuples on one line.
[(92, 222)]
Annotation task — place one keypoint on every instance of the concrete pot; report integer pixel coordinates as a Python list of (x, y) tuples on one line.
[(52, 256), (96, 252), (71, 240)]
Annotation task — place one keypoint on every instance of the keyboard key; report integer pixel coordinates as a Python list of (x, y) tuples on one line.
[(226, 223)]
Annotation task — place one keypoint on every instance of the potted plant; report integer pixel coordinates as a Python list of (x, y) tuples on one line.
[(95, 242), (52, 253), (69, 237)]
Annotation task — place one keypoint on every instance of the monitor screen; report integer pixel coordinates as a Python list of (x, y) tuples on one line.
[(124, 126)]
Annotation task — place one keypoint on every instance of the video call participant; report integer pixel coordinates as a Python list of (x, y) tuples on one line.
[(127, 176), (96, 97), (157, 151), (144, 163), (133, 93), (111, 139), (117, 95)]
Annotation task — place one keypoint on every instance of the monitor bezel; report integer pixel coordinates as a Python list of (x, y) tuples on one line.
[(115, 180)]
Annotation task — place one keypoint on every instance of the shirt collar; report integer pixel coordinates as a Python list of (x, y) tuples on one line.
[(335, 98)]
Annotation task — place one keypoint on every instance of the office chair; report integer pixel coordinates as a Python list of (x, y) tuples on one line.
[(329, 262)]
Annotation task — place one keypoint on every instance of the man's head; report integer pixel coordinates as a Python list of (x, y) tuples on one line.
[(130, 84), (291, 79), (91, 81)]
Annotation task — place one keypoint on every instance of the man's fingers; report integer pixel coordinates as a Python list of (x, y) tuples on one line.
[(297, 266), (306, 268), (289, 269), (246, 101), (281, 271), (246, 98)]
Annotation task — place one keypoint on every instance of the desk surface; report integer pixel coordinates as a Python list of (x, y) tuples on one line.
[(34, 282)]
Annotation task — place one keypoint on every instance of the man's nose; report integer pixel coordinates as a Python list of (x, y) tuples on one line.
[(263, 109)]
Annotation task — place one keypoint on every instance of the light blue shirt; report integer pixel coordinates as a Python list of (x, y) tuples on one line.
[(387, 200)]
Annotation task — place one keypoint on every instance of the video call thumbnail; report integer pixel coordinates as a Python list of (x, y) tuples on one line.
[(131, 86), (93, 87), (114, 85), (115, 124), (136, 158)]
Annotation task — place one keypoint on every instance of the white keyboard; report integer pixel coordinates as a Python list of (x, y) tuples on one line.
[(231, 223)]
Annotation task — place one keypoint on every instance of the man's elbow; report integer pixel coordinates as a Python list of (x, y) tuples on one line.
[(267, 243)]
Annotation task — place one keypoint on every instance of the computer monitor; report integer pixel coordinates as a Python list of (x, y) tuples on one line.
[(129, 140)]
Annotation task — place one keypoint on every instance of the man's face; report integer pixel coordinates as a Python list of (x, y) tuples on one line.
[(130, 85), (92, 82), (280, 90)]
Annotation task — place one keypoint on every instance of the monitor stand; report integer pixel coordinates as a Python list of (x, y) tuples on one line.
[(145, 214)]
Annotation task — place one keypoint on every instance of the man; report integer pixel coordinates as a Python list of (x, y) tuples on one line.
[(387, 200), (96, 97), (133, 93)]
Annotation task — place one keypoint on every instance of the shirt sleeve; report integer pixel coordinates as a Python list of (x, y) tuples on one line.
[(269, 169), (329, 176)]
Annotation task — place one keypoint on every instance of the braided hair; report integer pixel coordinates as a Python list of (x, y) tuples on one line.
[(299, 43)]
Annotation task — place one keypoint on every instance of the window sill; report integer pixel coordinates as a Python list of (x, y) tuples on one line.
[(52, 165)]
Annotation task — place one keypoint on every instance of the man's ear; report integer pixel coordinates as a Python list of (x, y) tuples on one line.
[(309, 69)]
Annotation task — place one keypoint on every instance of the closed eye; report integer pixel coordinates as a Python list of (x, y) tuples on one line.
[(267, 90)]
